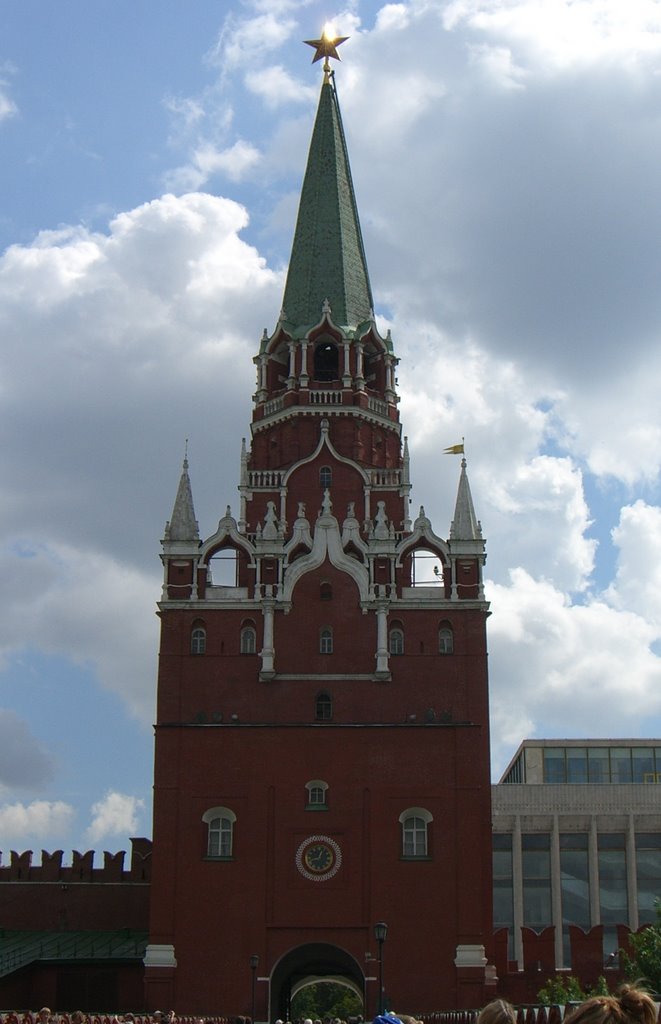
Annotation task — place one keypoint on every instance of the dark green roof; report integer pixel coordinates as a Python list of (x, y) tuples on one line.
[(18, 948), (327, 259)]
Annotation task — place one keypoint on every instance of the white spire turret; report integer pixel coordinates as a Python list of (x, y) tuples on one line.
[(183, 524), (465, 525)]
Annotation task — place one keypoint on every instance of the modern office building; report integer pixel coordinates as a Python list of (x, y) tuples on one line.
[(577, 841)]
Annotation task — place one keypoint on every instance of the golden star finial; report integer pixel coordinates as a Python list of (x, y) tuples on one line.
[(326, 46)]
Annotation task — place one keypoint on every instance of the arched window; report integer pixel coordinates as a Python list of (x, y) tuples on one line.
[(323, 707), (326, 361), (220, 831), (248, 639), (326, 640), (223, 568), (426, 569), (445, 640), (325, 591), (317, 793), (325, 477), (198, 640), (415, 832), (396, 641)]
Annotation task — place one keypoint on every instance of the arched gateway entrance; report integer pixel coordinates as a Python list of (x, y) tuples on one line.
[(307, 964)]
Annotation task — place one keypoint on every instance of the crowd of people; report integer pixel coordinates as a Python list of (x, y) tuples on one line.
[(47, 1016), (630, 1005)]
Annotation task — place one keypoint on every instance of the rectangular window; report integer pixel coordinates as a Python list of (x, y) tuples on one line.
[(642, 763), (598, 765), (577, 764), (613, 899), (554, 765), (574, 886), (620, 764), (503, 888), (536, 865), (648, 872)]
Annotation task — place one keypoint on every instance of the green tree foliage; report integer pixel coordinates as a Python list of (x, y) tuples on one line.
[(326, 999), (644, 964), (565, 988)]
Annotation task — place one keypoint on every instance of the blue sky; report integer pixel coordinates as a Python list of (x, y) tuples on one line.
[(506, 161)]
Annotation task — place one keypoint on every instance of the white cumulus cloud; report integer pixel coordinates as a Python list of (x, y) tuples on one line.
[(41, 820), (115, 814)]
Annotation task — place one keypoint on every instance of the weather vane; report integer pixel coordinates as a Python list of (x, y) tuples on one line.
[(326, 47)]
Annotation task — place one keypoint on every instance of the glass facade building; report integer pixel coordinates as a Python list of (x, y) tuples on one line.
[(577, 840)]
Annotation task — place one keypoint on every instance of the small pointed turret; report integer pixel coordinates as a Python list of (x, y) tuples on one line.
[(328, 259), (465, 525), (183, 524)]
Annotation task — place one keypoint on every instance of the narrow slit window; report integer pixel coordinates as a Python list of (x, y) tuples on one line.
[(248, 640), (198, 640), (396, 641), (445, 640)]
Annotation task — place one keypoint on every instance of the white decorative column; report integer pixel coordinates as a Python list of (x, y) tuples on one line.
[(291, 379), (260, 364), (268, 653), (382, 669), (304, 379), (346, 377), (360, 374)]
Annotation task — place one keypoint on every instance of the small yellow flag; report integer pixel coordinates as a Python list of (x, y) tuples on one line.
[(454, 449)]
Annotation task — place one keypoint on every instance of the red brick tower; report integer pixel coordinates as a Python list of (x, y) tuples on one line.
[(322, 748)]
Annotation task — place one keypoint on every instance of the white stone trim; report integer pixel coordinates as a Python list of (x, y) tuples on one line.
[(470, 956), (159, 955)]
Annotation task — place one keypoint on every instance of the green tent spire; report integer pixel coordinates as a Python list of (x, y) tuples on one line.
[(328, 258)]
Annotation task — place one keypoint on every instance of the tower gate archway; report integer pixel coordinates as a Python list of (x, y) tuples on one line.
[(305, 965)]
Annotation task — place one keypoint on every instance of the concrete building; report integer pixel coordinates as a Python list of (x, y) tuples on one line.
[(577, 842)]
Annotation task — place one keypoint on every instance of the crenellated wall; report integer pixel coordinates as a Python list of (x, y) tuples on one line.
[(81, 869), (76, 896)]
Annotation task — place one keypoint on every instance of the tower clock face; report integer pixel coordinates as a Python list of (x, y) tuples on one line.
[(318, 858)]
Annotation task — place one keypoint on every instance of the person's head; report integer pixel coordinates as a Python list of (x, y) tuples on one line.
[(630, 1005), (44, 1014), (497, 1012)]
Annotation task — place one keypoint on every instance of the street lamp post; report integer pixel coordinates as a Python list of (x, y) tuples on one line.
[(380, 933), (254, 960)]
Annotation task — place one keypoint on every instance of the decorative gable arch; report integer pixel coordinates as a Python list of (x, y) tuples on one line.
[(423, 537), (324, 440), (327, 544), (226, 536)]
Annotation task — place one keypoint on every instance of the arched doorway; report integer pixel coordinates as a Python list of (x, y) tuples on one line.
[(306, 965)]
